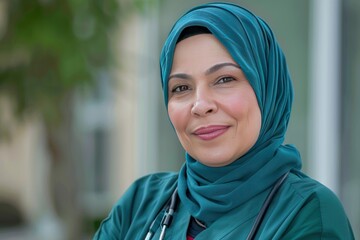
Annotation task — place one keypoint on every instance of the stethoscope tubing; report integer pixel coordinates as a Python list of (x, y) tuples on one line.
[(265, 207)]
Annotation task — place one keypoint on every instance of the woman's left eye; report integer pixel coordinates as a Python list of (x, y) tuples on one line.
[(225, 80)]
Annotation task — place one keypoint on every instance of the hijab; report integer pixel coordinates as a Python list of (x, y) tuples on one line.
[(210, 192)]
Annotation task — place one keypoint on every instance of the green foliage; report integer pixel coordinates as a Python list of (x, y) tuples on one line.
[(49, 48)]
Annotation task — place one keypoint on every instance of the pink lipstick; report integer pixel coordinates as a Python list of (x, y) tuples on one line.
[(210, 132)]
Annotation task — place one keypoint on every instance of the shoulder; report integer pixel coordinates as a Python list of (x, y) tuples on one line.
[(140, 202), (148, 188), (317, 211), (309, 190), (152, 182), (162, 178)]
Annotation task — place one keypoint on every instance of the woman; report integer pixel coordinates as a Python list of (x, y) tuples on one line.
[(228, 94)]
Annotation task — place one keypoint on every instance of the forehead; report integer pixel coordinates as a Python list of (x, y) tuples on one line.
[(199, 51)]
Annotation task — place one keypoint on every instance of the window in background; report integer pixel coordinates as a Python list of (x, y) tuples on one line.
[(94, 123)]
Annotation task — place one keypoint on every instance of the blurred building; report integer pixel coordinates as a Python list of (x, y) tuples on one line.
[(124, 133)]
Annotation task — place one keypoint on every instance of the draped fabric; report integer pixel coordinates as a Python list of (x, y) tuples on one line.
[(210, 192)]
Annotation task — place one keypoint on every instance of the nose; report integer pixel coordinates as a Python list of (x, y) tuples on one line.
[(204, 104)]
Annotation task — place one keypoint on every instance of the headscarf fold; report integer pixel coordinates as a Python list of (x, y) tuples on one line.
[(210, 192)]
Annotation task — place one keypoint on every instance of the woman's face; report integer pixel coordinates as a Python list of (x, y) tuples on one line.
[(211, 104)]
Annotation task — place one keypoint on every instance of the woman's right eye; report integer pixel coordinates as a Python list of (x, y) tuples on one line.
[(180, 88)]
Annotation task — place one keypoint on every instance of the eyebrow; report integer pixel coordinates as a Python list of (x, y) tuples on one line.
[(209, 71), (217, 67)]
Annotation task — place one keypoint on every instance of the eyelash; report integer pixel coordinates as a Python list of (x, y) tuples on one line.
[(225, 80), (222, 80), (177, 88)]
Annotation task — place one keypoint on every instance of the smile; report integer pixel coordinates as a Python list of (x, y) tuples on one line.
[(210, 132)]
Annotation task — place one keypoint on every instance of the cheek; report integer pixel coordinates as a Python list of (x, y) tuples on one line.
[(243, 105), (177, 114), (236, 105)]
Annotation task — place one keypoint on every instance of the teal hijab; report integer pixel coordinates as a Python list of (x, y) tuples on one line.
[(210, 192)]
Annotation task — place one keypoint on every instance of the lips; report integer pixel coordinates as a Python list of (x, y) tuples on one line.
[(210, 132)]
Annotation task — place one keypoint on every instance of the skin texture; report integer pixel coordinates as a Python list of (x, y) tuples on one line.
[(211, 104)]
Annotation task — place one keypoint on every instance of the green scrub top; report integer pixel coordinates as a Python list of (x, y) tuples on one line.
[(302, 209)]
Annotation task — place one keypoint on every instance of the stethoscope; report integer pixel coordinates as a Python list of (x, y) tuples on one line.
[(171, 206)]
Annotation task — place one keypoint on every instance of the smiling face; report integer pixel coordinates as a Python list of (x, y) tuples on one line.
[(211, 104)]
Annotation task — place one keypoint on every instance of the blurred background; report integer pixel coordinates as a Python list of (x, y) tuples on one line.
[(82, 114)]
